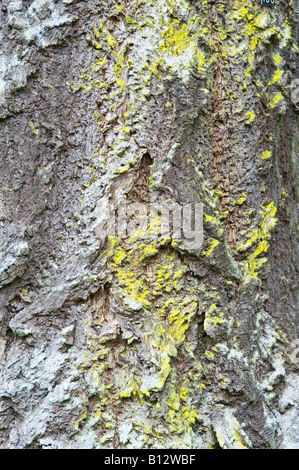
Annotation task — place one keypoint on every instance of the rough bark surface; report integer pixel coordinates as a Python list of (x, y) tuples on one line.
[(136, 342)]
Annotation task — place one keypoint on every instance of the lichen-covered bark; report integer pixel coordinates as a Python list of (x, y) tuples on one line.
[(139, 342)]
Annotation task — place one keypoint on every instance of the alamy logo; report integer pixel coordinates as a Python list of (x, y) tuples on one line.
[(181, 223)]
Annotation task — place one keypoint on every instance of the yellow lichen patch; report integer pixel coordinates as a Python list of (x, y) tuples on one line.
[(277, 59), (275, 99), (266, 155), (138, 289), (184, 393), (241, 200), (251, 117), (261, 236), (181, 415), (178, 48), (179, 319), (276, 77), (176, 40), (252, 29), (33, 128), (213, 244)]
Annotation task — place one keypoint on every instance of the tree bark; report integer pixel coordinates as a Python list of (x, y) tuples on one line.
[(132, 339)]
